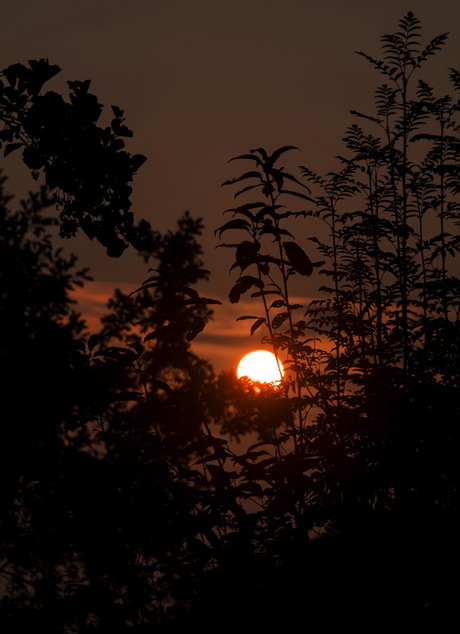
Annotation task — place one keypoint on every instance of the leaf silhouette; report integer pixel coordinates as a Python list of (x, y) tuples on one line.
[(277, 153), (243, 284), (237, 223), (246, 254), (298, 259), (259, 322)]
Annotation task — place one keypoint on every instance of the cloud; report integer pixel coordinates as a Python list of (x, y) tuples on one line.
[(224, 340), (92, 300)]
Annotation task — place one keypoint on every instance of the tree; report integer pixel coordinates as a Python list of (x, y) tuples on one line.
[(97, 499), (148, 519), (85, 165), (373, 363)]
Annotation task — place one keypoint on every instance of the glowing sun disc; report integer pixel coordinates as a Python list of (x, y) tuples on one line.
[(261, 366)]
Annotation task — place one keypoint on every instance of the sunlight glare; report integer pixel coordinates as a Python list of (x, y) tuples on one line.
[(260, 366)]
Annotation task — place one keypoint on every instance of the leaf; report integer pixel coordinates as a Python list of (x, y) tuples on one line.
[(262, 152), (136, 161), (137, 346), (13, 72), (243, 177), (79, 345), (263, 293), (295, 180), (199, 301), (238, 223), (454, 77), (246, 189), (152, 335), (356, 113), (116, 352), (93, 341), (267, 228), (297, 194), (261, 443), (277, 153), (246, 253), (257, 324), (11, 147), (244, 209), (279, 319), (198, 325), (253, 488), (209, 458), (298, 259), (43, 71), (246, 156), (118, 112), (243, 284), (434, 45)]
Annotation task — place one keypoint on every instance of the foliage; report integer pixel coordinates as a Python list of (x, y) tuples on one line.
[(86, 165), (128, 507), (372, 361)]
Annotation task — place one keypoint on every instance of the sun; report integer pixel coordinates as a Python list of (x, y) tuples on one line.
[(260, 366)]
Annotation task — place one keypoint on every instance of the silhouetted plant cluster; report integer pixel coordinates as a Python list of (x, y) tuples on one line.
[(125, 505), (371, 358), (85, 165)]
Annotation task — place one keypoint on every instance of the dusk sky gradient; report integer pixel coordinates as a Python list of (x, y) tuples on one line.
[(201, 81)]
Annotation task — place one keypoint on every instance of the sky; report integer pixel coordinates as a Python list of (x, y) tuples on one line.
[(201, 81)]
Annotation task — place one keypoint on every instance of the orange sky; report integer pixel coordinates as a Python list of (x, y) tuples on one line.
[(206, 80), (224, 341)]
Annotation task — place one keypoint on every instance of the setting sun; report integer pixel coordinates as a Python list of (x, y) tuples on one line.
[(261, 366)]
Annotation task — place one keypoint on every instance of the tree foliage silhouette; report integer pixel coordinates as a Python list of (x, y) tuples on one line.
[(127, 508), (99, 501), (86, 165), (373, 363)]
